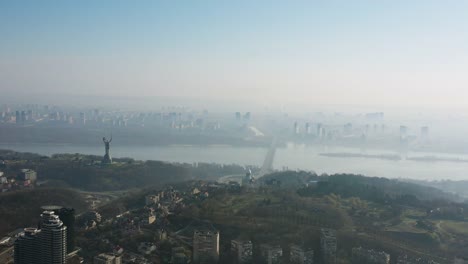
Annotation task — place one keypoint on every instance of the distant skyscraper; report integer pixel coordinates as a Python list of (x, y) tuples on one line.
[(375, 116), (238, 116), (23, 117), (319, 130), (348, 128), (424, 132), (307, 128), (18, 117), (82, 119), (30, 115), (403, 131), (403, 134), (45, 245)]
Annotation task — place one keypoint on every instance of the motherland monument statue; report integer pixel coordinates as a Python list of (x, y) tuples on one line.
[(107, 157)]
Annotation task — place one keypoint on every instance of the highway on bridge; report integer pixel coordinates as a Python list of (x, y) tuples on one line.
[(267, 166)]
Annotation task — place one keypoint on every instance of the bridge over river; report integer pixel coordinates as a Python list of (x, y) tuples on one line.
[(266, 168)]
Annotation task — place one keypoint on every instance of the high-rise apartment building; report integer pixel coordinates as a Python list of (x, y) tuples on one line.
[(67, 216), (27, 247), (205, 246), (47, 245)]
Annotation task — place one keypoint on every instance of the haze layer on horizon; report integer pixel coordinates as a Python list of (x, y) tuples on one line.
[(317, 52)]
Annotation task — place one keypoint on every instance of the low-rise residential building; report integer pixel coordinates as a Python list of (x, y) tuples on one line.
[(179, 256), (90, 220), (28, 174), (146, 248), (107, 259), (242, 251), (6, 241), (161, 234), (369, 256), (299, 255), (272, 254), (134, 258), (150, 219), (147, 215), (151, 199), (328, 245), (405, 259)]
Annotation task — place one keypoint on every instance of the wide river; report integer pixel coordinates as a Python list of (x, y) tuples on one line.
[(292, 157)]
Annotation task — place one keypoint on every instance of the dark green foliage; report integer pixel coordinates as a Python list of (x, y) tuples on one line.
[(85, 171), (289, 179), (114, 177), (380, 190), (22, 208)]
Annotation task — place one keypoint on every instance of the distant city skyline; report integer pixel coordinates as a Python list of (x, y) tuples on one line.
[(310, 52)]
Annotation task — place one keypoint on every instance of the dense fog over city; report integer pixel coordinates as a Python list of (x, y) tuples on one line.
[(233, 132)]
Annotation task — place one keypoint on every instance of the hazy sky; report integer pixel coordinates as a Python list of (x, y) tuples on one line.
[(317, 52)]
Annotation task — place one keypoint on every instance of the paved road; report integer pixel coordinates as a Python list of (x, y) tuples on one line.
[(234, 177), (267, 166)]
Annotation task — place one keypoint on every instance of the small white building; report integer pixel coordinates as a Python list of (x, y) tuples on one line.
[(3, 179), (27, 174)]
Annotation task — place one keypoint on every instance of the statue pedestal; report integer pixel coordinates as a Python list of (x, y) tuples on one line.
[(107, 159)]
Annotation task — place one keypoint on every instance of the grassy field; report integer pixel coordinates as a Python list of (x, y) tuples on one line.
[(455, 228), (408, 222)]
